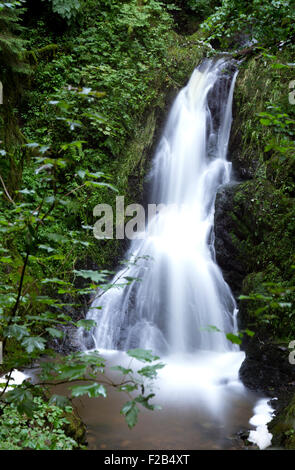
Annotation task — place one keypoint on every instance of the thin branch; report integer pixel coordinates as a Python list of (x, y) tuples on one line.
[(6, 191), (7, 383), (15, 307)]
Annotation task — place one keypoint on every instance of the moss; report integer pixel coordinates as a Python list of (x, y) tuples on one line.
[(75, 428), (47, 51), (263, 211), (185, 54), (134, 162), (283, 427), (257, 85)]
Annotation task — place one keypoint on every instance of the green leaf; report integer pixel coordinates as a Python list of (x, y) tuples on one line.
[(55, 333), (210, 328), (17, 331), (33, 343), (265, 122), (49, 249), (87, 324), (130, 411), (233, 338), (151, 371), (98, 184), (249, 332), (54, 280), (144, 401), (122, 369), (81, 173), (23, 399), (7, 260), (92, 390), (57, 237), (26, 191), (95, 276), (60, 401), (279, 66), (128, 388), (142, 355)]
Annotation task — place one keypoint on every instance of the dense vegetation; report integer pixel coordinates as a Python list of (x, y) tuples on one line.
[(86, 86)]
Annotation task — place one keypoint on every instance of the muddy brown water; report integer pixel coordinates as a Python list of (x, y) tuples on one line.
[(198, 411)]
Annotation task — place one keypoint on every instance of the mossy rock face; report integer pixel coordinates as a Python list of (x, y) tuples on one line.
[(226, 248), (75, 428), (283, 427), (266, 369)]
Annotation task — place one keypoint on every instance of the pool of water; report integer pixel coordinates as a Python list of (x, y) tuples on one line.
[(204, 406)]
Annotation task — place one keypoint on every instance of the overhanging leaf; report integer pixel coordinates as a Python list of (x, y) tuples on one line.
[(92, 390)]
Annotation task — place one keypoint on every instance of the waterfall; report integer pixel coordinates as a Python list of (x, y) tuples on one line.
[(178, 293)]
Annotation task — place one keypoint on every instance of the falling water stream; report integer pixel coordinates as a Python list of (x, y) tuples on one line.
[(178, 304), (180, 290)]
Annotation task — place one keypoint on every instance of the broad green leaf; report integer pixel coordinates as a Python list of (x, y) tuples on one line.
[(151, 371), (34, 343), (265, 122), (92, 390), (233, 338), (122, 369), (72, 372), (59, 400), (142, 355), (130, 411), (55, 333), (144, 401), (210, 328), (7, 260), (23, 399), (279, 66), (95, 276), (17, 331), (249, 332)]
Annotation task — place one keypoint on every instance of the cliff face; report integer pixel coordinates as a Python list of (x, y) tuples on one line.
[(255, 217), (254, 226)]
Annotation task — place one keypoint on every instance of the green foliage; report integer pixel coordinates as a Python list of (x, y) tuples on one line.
[(266, 22), (203, 8), (272, 303), (35, 276), (123, 51), (67, 9), (12, 46), (263, 210), (232, 337), (282, 126), (13, 70), (45, 430)]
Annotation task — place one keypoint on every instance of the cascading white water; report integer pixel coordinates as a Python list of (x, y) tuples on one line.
[(181, 289)]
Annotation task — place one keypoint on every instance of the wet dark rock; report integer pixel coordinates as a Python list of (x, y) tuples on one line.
[(282, 427), (267, 369), (226, 252), (245, 163)]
